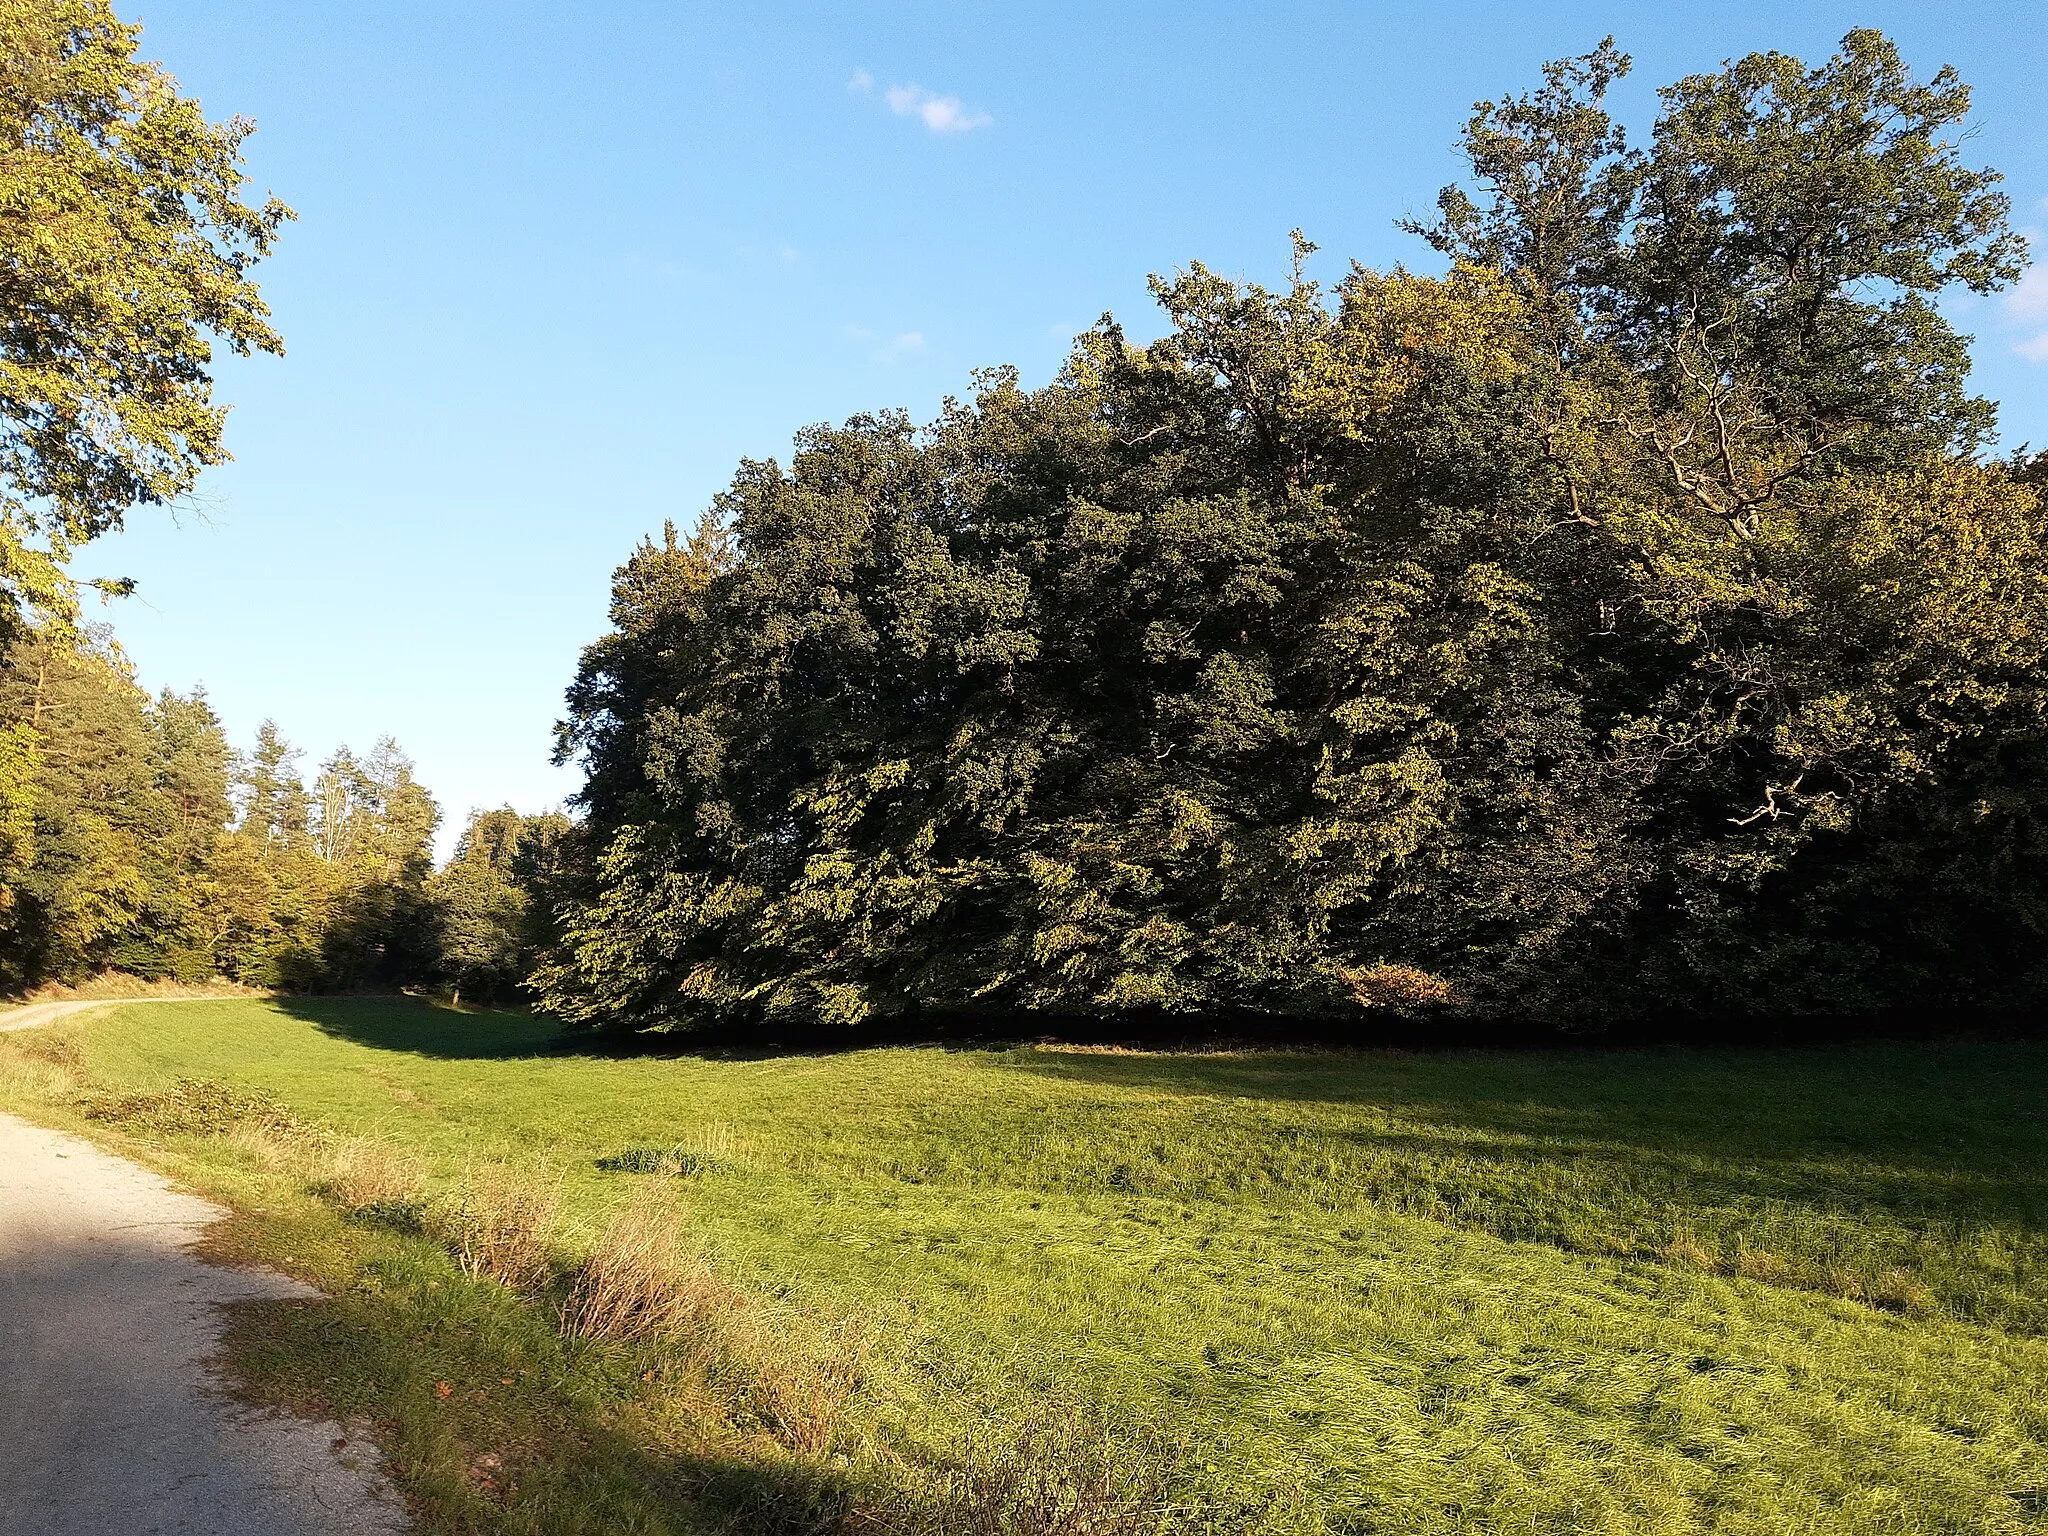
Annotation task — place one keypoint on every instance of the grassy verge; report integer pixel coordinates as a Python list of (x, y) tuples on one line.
[(1039, 1290)]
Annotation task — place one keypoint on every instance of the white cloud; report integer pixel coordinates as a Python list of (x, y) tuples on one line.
[(885, 349), (2029, 297), (861, 81), (2027, 307), (941, 114)]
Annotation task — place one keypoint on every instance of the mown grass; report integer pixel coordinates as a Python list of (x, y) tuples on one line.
[(1571, 1292)]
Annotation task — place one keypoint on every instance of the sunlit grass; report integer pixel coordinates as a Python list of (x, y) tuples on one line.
[(1627, 1292)]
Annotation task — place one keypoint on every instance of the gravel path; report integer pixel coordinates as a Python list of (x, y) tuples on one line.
[(43, 1013), (111, 1420)]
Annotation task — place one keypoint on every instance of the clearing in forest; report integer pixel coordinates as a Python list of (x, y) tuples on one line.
[(1648, 1291)]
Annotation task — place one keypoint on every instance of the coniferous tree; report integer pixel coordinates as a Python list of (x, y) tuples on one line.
[(274, 806)]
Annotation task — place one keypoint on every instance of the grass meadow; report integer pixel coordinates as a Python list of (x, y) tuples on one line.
[(1044, 1290)]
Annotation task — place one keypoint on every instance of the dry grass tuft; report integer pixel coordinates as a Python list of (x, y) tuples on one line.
[(41, 1065), (645, 1283), (44, 1045), (1900, 1290), (1055, 1475), (371, 1178), (801, 1393), (274, 1148), (1685, 1249), (118, 986), (1761, 1264), (192, 1106), (501, 1226), (642, 1282)]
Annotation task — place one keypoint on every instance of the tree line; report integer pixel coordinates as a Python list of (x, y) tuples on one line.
[(1634, 618), (1630, 621), (133, 838)]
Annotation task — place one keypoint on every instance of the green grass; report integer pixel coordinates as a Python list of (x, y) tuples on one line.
[(1560, 1292)]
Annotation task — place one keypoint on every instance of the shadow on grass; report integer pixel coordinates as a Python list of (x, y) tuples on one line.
[(420, 1028), (1951, 1106), (1947, 1105), (490, 1423), (1902, 1175)]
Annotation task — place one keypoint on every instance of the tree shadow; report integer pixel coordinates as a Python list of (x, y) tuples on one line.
[(418, 1028), (1936, 1110)]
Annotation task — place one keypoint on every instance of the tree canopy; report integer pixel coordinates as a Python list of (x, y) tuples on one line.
[(1628, 617), (146, 844), (125, 248)]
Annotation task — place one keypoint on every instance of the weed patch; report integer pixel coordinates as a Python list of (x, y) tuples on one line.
[(501, 1225), (673, 1162), (192, 1106)]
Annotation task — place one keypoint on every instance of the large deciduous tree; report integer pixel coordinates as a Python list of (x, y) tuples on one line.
[(125, 249), (1626, 619)]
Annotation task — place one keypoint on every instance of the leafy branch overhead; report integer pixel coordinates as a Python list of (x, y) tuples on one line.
[(125, 250)]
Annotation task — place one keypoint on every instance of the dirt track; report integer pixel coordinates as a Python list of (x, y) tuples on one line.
[(44, 1013), (111, 1420)]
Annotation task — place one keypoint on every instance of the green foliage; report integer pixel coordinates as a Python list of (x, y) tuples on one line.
[(1623, 616), (493, 902), (133, 839), (126, 248)]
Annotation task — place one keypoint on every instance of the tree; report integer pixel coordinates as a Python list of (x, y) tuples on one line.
[(493, 901), (492, 839), (1623, 616), (94, 880), (274, 807), (125, 249), (481, 915), (192, 767), (398, 839), (141, 843)]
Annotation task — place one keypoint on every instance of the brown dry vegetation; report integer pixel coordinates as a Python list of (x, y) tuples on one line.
[(501, 1224)]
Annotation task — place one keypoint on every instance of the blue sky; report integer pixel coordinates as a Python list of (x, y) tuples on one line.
[(558, 268)]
